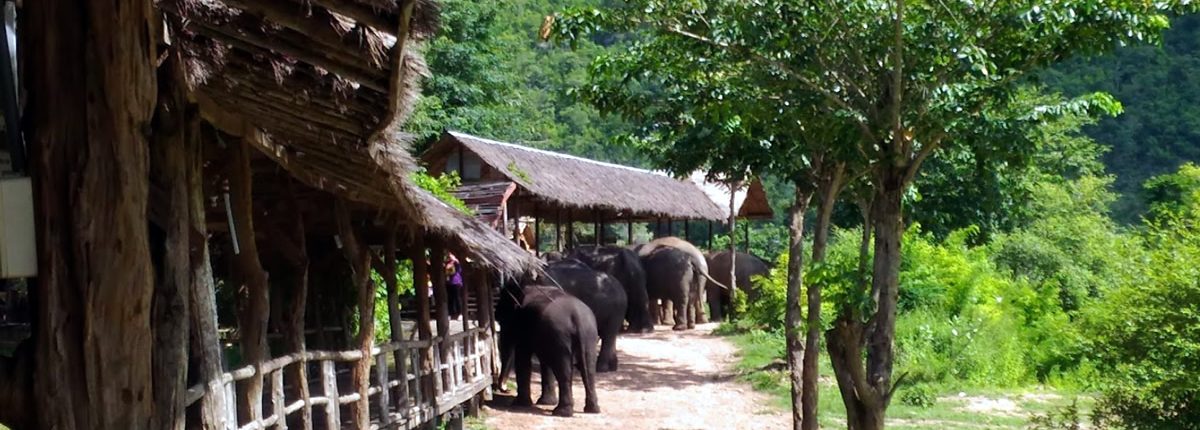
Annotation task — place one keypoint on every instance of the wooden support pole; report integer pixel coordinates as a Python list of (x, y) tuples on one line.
[(628, 232), (248, 273), (537, 235), (205, 341), (395, 324), (708, 237), (333, 415), (421, 287), (746, 236), (294, 240), (359, 257), (169, 152), (570, 229), (687, 230), (88, 74), (558, 230), (438, 276)]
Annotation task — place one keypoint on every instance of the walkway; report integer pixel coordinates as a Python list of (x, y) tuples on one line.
[(667, 380)]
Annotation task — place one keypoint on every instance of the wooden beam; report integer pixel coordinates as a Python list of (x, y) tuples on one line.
[(363, 14), (274, 47), (303, 19), (359, 257)]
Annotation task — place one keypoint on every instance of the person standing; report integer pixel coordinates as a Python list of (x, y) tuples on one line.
[(454, 286)]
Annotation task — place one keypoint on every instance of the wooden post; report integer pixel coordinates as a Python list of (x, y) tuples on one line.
[(248, 272), (205, 341), (746, 235), (537, 234), (628, 232), (558, 230), (438, 276), (278, 404), (687, 230), (424, 331), (294, 246), (333, 418), (89, 77), (385, 400), (570, 229), (708, 238), (395, 324), (359, 257), (169, 152)]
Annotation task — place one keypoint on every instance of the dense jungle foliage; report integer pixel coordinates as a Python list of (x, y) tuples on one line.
[(1074, 265)]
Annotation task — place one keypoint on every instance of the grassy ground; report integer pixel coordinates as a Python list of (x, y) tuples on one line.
[(947, 407)]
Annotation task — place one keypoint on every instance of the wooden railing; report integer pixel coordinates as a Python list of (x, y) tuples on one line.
[(411, 383)]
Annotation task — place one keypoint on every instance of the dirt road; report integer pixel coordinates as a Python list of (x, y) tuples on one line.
[(667, 380)]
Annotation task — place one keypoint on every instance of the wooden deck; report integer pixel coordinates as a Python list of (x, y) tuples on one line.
[(412, 383)]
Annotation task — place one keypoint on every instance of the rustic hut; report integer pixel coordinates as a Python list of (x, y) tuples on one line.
[(256, 143), (505, 181)]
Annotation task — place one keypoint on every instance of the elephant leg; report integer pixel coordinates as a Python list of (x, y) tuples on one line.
[(588, 374), (680, 308), (562, 372), (715, 303), (524, 368), (608, 353), (697, 302), (548, 391)]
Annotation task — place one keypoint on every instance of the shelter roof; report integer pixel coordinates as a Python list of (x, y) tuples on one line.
[(322, 88), (580, 183), (750, 201)]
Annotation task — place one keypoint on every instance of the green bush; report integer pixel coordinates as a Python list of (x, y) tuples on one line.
[(921, 396)]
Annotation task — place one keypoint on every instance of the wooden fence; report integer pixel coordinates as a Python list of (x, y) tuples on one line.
[(412, 382)]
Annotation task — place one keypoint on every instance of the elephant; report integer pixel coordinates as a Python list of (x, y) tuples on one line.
[(603, 294), (671, 274), (561, 331), (671, 277), (626, 267), (748, 266)]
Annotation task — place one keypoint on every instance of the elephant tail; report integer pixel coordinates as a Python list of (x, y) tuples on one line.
[(714, 281)]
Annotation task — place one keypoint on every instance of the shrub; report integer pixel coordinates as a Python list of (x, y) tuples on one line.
[(921, 396)]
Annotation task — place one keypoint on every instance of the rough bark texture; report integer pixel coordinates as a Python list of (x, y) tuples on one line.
[(250, 279), (827, 191), (424, 331), (206, 364), (297, 256), (16, 388), (437, 274), (169, 153), (795, 343), (89, 76), (359, 258)]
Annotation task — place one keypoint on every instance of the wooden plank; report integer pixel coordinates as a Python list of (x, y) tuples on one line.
[(278, 405), (231, 415), (385, 401), (333, 418)]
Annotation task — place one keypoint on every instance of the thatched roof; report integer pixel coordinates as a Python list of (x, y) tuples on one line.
[(749, 202), (322, 87), (579, 183)]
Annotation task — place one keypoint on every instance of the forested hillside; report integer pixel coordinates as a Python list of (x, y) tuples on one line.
[(492, 76), (1160, 89)]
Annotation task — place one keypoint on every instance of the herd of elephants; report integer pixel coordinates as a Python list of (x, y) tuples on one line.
[(587, 296)]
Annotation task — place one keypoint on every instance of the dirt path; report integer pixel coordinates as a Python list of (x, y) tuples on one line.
[(667, 380)]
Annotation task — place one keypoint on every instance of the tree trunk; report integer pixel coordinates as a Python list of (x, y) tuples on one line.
[(90, 85), (424, 331), (170, 199), (795, 344), (250, 279), (885, 286), (827, 191), (359, 257)]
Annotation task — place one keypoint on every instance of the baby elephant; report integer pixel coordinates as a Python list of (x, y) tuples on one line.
[(561, 331)]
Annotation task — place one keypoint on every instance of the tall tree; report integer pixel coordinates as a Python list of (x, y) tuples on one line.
[(906, 75)]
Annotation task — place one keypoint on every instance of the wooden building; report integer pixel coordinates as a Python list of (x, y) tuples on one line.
[(504, 182), (201, 165)]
